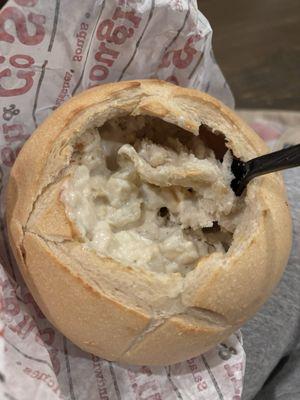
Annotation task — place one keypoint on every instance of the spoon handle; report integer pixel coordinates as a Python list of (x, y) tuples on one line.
[(245, 171), (279, 160)]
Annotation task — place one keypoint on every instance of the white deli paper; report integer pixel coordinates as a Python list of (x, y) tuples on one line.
[(51, 50)]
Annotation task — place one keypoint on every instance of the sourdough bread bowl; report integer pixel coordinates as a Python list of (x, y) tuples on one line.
[(124, 226)]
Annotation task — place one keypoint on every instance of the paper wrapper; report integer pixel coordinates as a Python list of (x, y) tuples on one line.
[(51, 50)]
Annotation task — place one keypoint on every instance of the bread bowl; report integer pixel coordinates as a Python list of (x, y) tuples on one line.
[(123, 224)]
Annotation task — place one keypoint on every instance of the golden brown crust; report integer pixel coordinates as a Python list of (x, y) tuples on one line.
[(241, 285), (177, 339), (50, 220), (142, 317), (88, 317)]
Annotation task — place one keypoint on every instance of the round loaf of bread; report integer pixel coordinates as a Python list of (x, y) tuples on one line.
[(125, 228)]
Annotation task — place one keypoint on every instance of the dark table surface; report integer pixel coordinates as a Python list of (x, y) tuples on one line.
[(257, 45)]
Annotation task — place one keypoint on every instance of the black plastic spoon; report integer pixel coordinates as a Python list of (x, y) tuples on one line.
[(245, 171)]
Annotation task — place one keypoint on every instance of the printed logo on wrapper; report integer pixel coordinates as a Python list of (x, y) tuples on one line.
[(17, 73), (20, 64), (142, 389), (21, 334), (181, 58), (235, 374), (45, 378), (50, 51), (112, 34), (64, 93), (200, 381), (80, 41), (177, 4), (101, 383), (23, 324)]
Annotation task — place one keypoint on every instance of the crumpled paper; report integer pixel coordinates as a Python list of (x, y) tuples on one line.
[(51, 50)]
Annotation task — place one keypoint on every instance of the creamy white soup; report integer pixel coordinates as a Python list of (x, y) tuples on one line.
[(151, 199)]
